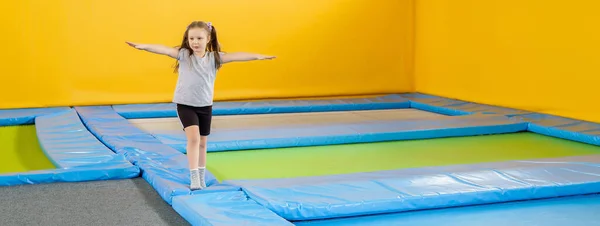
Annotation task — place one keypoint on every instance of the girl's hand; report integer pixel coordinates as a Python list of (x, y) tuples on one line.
[(134, 45), (266, 57), (156, 48), (242, 56)]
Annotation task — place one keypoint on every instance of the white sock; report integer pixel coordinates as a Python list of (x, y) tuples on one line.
[(201, 176), (195, 180)]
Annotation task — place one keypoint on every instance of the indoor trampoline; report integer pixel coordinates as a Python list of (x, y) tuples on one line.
[(339, 161), (282, 162)]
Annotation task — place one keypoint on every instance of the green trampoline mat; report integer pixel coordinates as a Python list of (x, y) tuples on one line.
[(353, 158), (20, 150)]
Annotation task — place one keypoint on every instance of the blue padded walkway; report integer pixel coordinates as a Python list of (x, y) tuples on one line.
[(449, 106), (164, 168), (565, 128), (423, 188), (549, 125), (359, 132), (76, 153), (572, 211), (394, 101), (13, 117), (225, 208)]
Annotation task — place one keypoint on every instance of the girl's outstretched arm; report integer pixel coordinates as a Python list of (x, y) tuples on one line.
[(241, 56), (158, 49)]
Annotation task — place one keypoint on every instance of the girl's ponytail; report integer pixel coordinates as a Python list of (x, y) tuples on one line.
[(214, 46)]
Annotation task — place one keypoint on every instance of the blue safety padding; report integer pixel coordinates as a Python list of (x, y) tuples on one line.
[(437, 109), (360, 132), (121, 136), (68, 144), (449, 106), (75, 152), (171, 177), (26, 116), (322, 197), (225, 208), (161, 110), (68, 175), (565, 128), (574, 210), (158, 110), (475, 108), (163, 167)]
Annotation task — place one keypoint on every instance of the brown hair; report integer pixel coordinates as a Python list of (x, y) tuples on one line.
[(213, 44)]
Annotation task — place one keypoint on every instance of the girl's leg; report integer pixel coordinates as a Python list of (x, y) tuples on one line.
[(202, 160), (190, 121), (193, 153), (205, 117)]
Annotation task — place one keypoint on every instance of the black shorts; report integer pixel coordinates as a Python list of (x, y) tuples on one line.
[(198, 116)]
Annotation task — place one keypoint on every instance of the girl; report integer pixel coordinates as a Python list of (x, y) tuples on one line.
[(198, 59)]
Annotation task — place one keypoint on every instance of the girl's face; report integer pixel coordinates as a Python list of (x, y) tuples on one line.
[(198, 39)]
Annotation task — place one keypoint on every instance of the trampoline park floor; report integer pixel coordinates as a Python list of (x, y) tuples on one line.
[(101, 202), (401, 159)]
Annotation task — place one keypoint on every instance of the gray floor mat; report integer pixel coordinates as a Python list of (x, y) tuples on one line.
[(118, 202)]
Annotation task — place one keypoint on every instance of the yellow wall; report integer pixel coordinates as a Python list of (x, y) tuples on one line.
[(537, 55), (72, 52)]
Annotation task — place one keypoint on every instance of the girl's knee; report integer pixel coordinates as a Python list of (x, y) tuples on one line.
[(195, 140), (203, 142)]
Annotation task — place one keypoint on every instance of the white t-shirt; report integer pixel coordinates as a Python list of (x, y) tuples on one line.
[(196, 81)]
